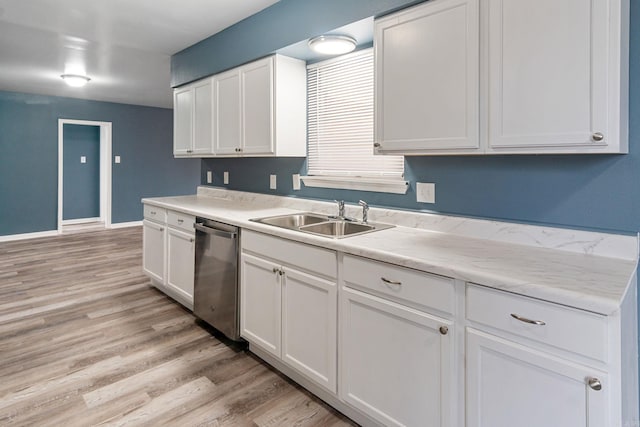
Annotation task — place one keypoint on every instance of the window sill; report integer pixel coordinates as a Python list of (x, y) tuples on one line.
[(379, 185)]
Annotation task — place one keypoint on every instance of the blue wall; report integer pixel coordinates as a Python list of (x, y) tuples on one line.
[(81, 181), (285, 23), (142, 136)]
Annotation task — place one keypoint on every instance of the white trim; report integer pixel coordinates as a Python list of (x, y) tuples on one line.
[(126, 224), (79, 221), (105, 170), (25, 236), (379, 185)]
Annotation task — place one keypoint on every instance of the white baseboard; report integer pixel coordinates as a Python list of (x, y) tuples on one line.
[(126, 224), (24, 236), (80, 221)]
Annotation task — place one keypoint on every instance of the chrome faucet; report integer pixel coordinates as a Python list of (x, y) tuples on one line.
[(365, 211), (340, 208)]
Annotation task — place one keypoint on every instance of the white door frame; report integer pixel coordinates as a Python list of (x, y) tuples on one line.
[(105, 171)]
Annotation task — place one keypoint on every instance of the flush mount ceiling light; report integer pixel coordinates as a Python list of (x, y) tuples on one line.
[(75, 80), (332, 44)]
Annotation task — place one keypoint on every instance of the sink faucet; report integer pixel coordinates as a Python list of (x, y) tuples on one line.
[(340, 208), (365, 210)]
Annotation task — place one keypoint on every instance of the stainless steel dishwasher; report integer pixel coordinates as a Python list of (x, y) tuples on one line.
[(215, 294)]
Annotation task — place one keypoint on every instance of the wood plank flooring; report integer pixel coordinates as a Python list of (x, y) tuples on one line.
[(85, 340)]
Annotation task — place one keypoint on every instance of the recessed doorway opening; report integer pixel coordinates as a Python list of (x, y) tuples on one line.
[(84, 175)]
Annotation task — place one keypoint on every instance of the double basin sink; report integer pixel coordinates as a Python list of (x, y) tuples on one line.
[(322, 225)]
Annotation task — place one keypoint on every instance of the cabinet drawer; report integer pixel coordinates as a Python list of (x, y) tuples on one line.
[(574, 330), (181, 220), (307, 257), (155, 213), (411, 287)]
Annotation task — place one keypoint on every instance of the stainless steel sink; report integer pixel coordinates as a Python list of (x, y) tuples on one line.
[(293, 221), (321, 225), (337, 228)]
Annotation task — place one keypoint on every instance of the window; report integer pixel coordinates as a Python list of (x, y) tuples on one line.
[(340, 128)]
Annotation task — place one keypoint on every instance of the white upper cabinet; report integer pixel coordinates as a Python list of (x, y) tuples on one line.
[(261, 109), (426, 90), (182, 121), (555, 77), (503, 77), (257, 107), (192, 119), (227, 116)]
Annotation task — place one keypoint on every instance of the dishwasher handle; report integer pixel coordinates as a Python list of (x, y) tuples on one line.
[(228, 234)]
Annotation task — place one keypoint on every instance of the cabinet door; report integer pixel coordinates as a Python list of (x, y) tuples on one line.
[(512, 385), (260, 303), (396, 364), (182, 121), (257, 107), (309, 335), (227, 112), (547, 73), (180, 264), (203, 118), (153, 235), (427, 78)]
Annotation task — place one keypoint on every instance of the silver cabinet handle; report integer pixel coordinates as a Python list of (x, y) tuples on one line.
[(597, 136), (444, 330), (594, 383), (180, 221), (525, 320), (391, 282)]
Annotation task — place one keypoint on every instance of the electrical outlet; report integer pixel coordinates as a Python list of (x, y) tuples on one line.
[(209, 177), (226, 177), (272, 182), (425, 192), (83, 159), (296, 181), (117, 159)]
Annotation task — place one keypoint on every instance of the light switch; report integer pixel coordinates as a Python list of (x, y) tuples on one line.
[(272, 182), (209, 177), (83, 159), (117, 159), (425, 192), (296, 181), (226, 177)]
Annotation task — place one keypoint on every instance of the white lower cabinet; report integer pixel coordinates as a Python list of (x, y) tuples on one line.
[(396, 361), (180, 264), (509, 384), (153, 237), (309, 317), (289, 304), (260, 303), (168, 248)]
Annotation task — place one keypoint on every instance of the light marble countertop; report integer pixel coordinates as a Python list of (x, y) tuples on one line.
[(586, 281)]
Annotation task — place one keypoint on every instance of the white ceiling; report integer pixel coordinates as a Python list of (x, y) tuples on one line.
[(123, 45)]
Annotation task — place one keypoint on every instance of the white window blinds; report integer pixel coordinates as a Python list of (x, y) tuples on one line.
[(340, 119)]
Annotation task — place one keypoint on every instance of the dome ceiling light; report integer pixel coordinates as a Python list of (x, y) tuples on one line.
[(75, 80), (332, 44)]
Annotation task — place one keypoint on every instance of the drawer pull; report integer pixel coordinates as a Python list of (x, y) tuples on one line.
[(525, 320), (391, 282), (152, 212), (444, 330), (594, 383), (276, 270), (180, 221)]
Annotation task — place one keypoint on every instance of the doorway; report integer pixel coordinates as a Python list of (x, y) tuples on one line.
[(84, 175)]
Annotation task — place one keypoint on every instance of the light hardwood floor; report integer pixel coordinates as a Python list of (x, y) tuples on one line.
[(85, 340)]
